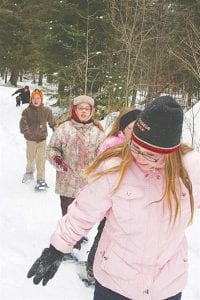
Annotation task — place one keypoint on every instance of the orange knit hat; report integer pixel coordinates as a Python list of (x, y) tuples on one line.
[(37, 91)]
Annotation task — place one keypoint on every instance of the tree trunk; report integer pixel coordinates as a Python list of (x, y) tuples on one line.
[(6, 77), (134, 94), (61, 88), (21, 77), (49, 78), (14, 77), (34, 79), (189, 103), (40, 78)]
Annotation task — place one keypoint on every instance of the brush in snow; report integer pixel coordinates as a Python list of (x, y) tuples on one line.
[(41, 185), (27, 177)]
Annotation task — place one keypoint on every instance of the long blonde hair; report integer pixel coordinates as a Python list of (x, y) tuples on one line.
[(174, 174)]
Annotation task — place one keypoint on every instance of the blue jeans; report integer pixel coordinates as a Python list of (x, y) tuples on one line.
[(102, 293)]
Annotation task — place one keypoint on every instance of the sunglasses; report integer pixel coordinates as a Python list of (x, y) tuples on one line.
[(149, 157)]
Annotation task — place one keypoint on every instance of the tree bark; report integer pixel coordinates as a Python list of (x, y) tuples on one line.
[(40, 78), (14, 77)]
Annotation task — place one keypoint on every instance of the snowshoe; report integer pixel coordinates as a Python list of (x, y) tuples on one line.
[(41, 185), (27, 177), (70, 257), (89, 281), (84, 240), (81, 242)]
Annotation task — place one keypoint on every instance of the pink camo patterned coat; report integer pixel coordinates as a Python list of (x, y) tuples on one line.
[(78, 145), (138, 255)]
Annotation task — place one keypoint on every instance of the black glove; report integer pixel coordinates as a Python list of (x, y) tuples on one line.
[(45, 267)]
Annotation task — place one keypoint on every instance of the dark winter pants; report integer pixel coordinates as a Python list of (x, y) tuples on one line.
[(18, 100), (91, 255), (102, 293), (176, 297), (65, 202)]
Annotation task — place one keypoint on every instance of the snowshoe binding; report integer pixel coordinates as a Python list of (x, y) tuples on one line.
[(88, 282), (70, 257), (27, 177), (41, 185), (87, 278), (82, 241)]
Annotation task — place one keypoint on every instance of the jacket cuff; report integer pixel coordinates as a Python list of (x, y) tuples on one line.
[(60, 244)]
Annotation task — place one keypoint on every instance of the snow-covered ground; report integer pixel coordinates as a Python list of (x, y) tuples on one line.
[(191, 126), (28, 219)]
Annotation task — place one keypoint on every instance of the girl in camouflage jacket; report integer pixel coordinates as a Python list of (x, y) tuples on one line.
[(73, 147)]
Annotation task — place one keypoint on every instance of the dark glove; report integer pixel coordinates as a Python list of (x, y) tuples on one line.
[(28, 135), (45, 267), (61, 163)]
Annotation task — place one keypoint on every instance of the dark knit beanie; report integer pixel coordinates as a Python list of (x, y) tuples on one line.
[(159, 126), (128, 118)]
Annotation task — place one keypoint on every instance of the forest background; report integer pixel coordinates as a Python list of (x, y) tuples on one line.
[(113, 50)]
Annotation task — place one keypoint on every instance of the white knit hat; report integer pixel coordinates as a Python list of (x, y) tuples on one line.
[(83, 99)]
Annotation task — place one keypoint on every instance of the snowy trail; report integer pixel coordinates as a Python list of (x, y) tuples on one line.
[(29, 218)]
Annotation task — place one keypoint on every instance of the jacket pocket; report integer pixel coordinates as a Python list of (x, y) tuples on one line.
[(113, 264), (175, 268), (127, 207)]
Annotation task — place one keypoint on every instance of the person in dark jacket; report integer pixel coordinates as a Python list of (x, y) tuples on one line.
[(33, 125), (24, 95)]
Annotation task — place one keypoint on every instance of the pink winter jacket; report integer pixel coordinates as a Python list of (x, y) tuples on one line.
[(139, 255), (111, 141)]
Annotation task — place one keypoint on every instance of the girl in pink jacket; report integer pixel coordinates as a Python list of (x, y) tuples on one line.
[(120, 132), (148, 190)]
